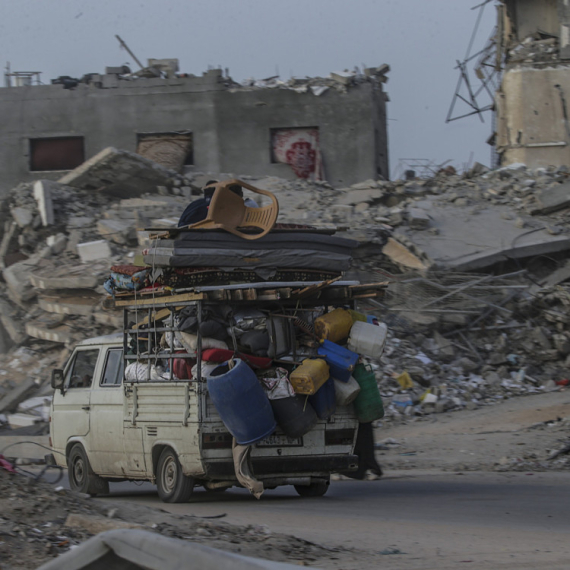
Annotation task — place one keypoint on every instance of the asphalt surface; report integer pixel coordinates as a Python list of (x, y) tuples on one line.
[(408, 519)]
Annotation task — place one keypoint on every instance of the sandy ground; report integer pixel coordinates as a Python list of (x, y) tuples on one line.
[(516, 434)]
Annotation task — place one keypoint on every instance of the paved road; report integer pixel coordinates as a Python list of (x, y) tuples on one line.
[(474, 520)]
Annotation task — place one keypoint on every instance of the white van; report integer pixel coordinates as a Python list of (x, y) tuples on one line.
[(105, 429)]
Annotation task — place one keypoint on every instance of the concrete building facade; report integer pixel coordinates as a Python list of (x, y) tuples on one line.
[(47, 130), (533, 102)]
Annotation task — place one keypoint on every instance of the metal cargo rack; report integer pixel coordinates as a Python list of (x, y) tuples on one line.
[(283, 298)]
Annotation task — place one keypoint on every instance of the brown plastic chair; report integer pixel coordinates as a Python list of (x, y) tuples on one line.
[(228, 212)]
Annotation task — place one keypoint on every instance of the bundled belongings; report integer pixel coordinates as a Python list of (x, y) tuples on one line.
[(258, 320)]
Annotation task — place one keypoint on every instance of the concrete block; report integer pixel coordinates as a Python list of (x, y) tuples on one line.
[(43, 196), (93, 250), (22, 216), (57, 243), (418, 219), (79, 221), (552, 199)]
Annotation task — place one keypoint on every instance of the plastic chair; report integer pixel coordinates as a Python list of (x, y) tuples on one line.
[(228, 211)]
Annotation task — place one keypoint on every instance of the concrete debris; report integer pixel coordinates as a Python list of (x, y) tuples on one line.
[(40, 522), (466, 340), (121, 173)]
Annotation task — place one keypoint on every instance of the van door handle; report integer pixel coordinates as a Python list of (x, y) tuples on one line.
[(86, 408)]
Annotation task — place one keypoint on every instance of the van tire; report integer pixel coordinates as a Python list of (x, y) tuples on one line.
[(81, 476), (173, 486), (313, 490)]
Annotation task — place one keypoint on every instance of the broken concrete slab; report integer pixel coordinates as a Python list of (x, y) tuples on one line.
[(12, 325), (401, 255), (552, 199), (470, 240), (62, 334), (10, 402), (43, 196), (83, 304), (17, 278), (22, 216), (93, 250), (357, 196), (9, 233), (121, 172), (48, 276), (112, 319), (118, 231)]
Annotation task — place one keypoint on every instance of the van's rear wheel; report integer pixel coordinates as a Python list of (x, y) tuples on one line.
[(313, 490), (81, 476), (173, 485)]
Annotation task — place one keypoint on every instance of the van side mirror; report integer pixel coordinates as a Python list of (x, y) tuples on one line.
[(57, 379)]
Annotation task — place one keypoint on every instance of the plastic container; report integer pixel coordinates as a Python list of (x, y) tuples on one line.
[(324, 401), (310, 376), (367, 339), (241, 402), (295, 416), (368, 404), (340, 360), (346, 392), (334, 326), (356, 316)]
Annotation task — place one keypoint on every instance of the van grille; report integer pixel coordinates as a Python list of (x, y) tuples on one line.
[(151, 431)]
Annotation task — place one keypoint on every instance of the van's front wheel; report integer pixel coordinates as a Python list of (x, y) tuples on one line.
[(81, 476), (173, 486)]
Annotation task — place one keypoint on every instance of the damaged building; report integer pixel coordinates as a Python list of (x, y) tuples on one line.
[(331, 129), (533, 101)]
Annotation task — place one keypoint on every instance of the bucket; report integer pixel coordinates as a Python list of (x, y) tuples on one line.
[(346, 392), (340, 360), (294, 415), (368, 404), (368, 339), (324, 401), (241, 402)]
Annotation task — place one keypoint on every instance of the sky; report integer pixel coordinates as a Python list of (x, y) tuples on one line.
[(420, 40)]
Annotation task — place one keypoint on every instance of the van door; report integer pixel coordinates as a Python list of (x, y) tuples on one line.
[(70, 412), (106, 438)]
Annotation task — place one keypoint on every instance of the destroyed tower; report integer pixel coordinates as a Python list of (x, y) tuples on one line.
[(532, 103)]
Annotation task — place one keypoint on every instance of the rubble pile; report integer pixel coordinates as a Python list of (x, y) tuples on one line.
[(535, 49), (58, 241), (339, 81), (40, 521)]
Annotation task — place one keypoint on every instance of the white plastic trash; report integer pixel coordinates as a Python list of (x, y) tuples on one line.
[(368, 340), (346, 392)]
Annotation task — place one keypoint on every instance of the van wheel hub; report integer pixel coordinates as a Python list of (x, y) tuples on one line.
[(169, 473)]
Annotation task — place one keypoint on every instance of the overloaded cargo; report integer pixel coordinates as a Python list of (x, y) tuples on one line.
[(249, 327)]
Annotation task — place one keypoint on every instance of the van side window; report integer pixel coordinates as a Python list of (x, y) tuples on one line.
[(113, 374), (80, 373)]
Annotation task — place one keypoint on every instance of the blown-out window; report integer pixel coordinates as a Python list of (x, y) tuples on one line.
[(56, 153)]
